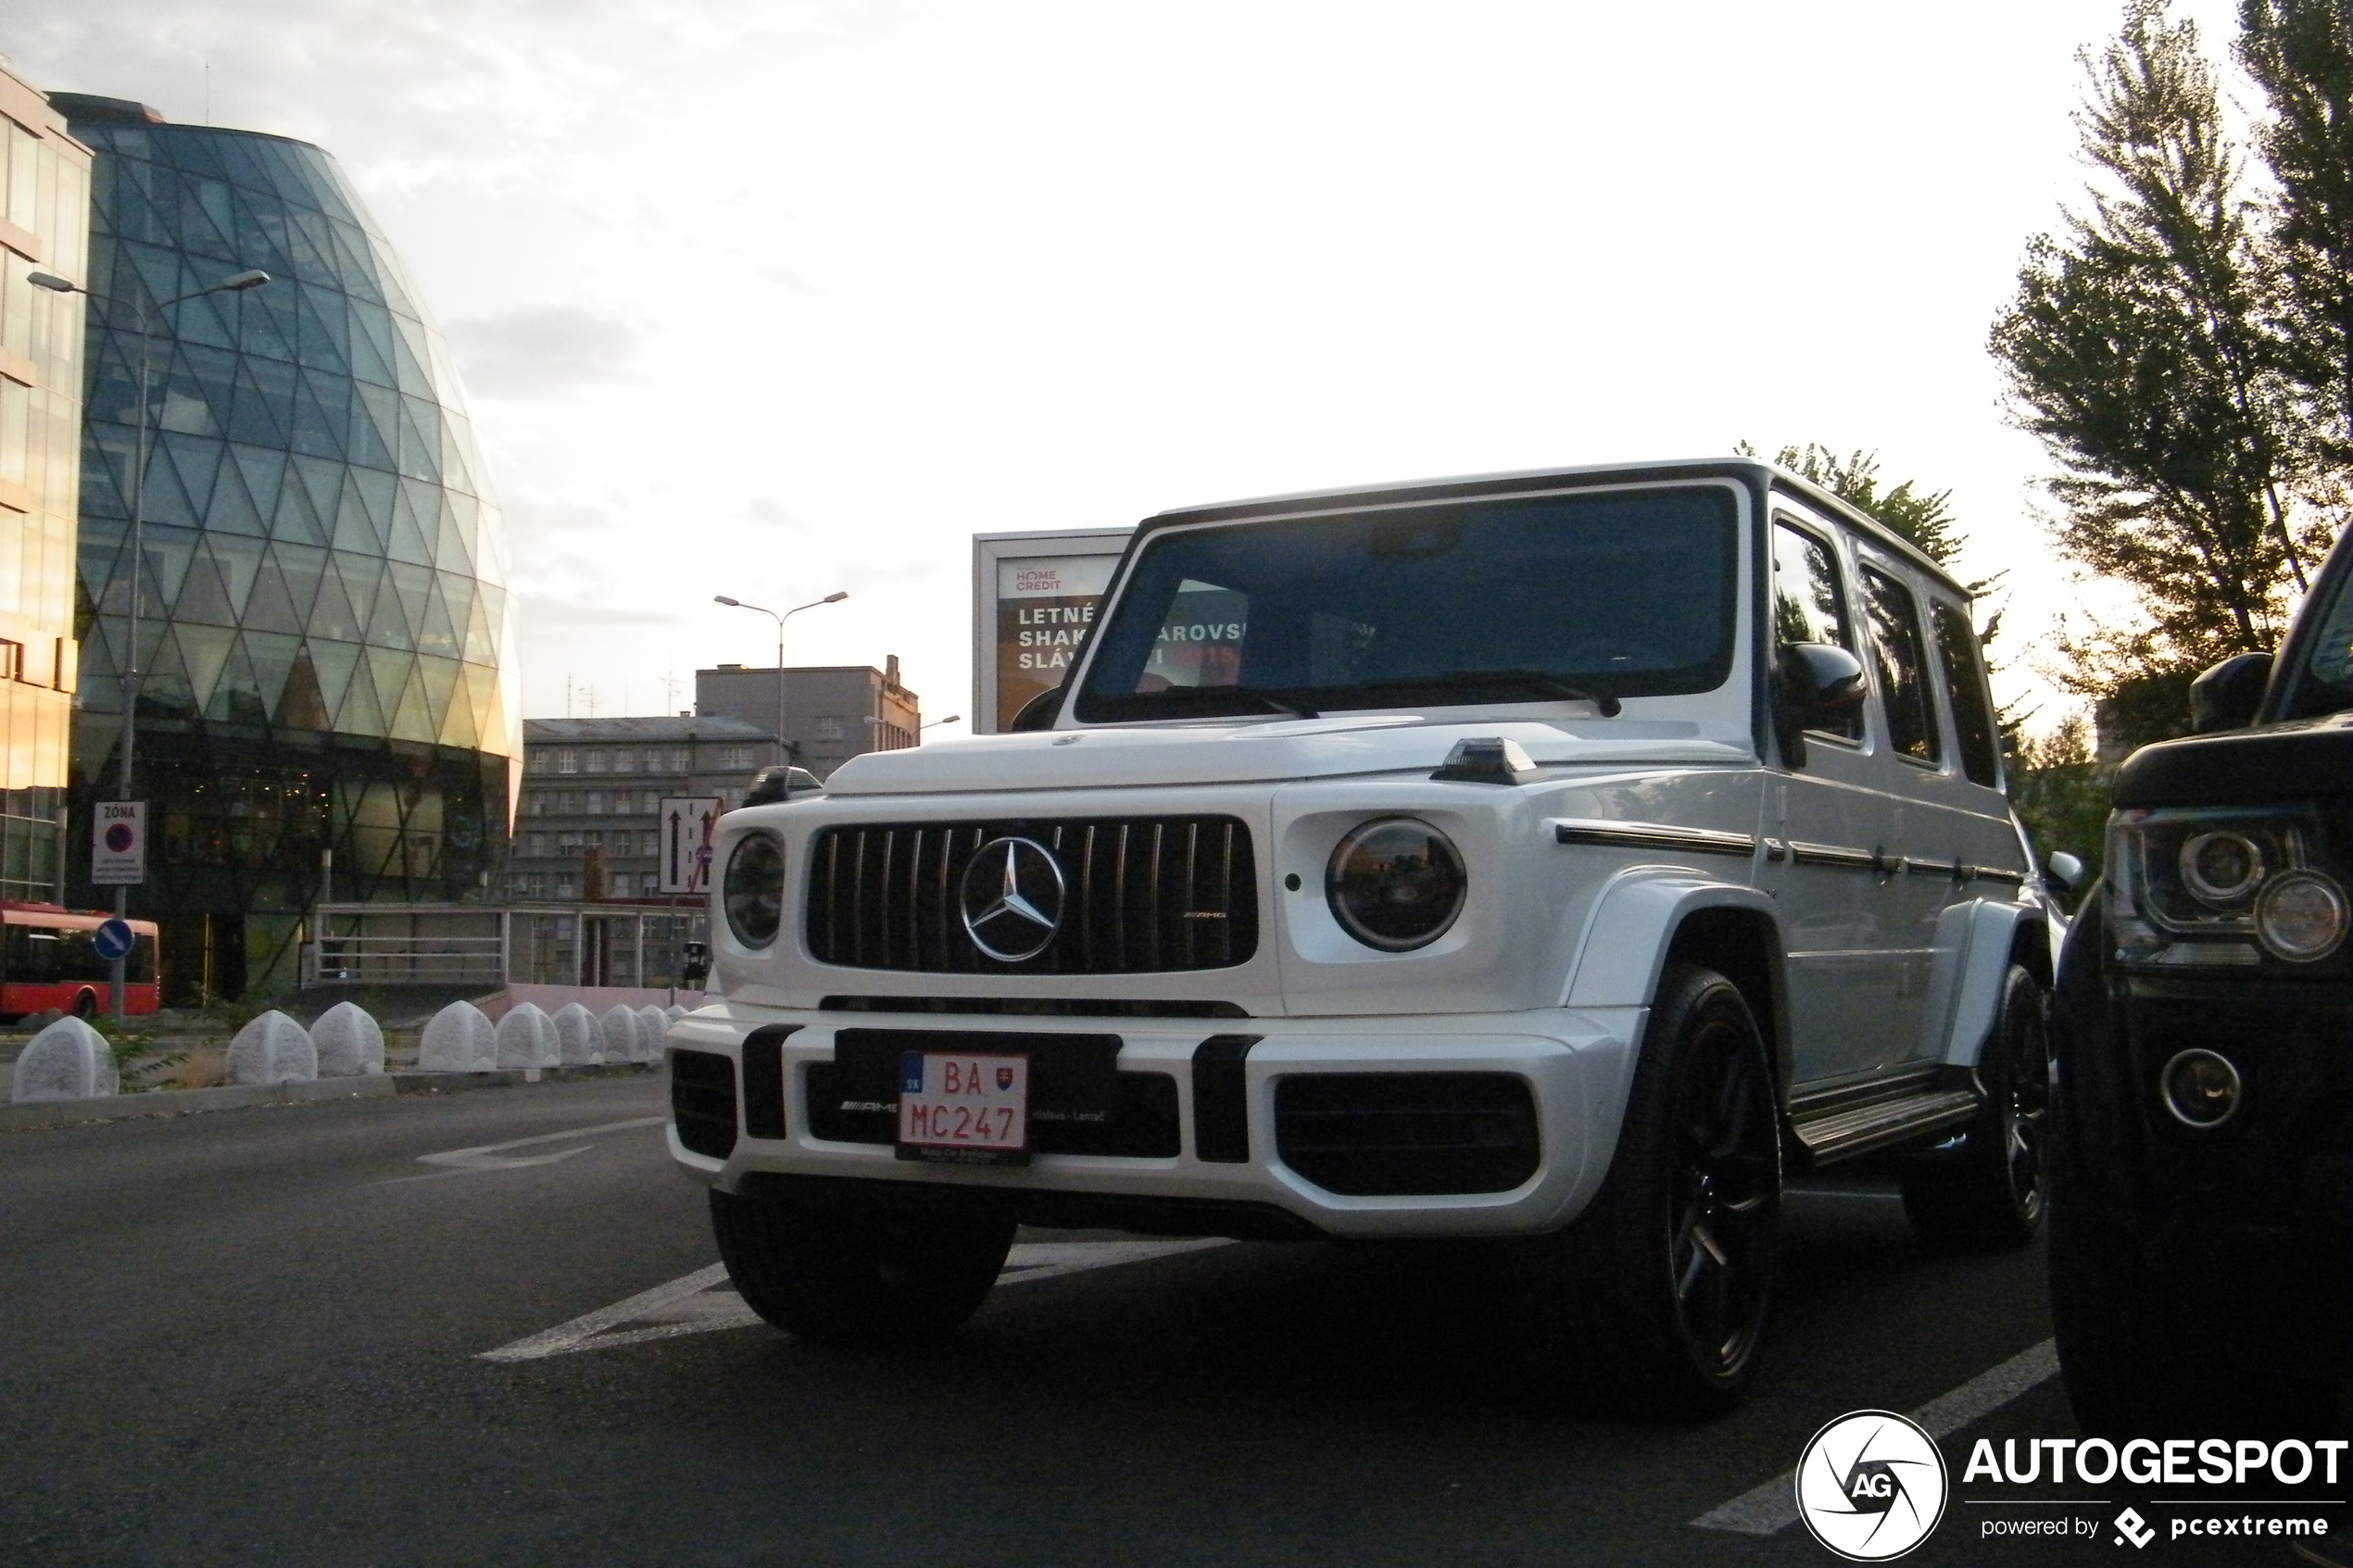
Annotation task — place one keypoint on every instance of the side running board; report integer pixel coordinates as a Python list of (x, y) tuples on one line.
[(1840, 1133)]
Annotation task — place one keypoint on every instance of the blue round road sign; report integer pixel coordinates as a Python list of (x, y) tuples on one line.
[(112, 940)]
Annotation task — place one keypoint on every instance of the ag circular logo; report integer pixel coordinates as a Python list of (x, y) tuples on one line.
[(1872, 1486), (1012, 897)]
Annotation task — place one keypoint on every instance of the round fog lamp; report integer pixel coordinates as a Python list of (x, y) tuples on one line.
[(753, 890), (2301, 916), (1395, 884), (2201, 1088), (2222, 867)]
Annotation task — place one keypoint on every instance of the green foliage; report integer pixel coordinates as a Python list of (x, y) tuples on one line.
[(2060, 791), (139, 1061), (1926, 520), (2152, 347), (2300, 53)]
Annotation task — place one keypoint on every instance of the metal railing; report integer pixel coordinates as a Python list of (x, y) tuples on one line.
[(599, 945)]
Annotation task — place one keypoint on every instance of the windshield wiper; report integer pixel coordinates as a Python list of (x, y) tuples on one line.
[(1542, 681)]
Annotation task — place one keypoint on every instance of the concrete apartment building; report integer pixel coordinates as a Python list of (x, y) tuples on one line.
[(832, 713), (592, 789)]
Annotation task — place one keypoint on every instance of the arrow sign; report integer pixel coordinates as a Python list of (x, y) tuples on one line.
[(111, 940), (686, 824)]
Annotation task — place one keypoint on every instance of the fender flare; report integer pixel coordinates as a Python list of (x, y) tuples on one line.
[(1623, 949), (1980, 935)]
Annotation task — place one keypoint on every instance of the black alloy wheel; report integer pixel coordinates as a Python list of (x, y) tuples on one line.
[(1654, 1300), (1728, 1199), (1989, 1193)]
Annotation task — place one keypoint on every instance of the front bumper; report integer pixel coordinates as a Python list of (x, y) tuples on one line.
[(1224, 1164)]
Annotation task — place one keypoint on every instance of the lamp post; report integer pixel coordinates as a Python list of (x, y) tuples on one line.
[(145, 316), (784, 748)]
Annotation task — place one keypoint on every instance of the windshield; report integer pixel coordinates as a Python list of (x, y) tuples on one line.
[(2325, 683), (1537, 599)]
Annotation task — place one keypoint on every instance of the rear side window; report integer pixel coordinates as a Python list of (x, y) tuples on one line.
[(1903, 667), (1972, 709), (1808, 605)]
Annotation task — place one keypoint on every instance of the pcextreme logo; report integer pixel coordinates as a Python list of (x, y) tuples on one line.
[(1872, 1486)]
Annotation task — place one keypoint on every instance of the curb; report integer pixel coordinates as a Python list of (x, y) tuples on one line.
[(375, 1085)]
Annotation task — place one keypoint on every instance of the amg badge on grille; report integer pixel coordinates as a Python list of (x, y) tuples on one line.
[(1012, 898)]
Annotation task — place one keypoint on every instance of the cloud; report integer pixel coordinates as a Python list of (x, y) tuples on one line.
[(546, 351)]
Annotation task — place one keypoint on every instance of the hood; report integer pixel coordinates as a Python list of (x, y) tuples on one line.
[(1220, 752), (2302, 760)]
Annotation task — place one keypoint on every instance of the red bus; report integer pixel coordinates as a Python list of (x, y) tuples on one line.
[(46, 961)]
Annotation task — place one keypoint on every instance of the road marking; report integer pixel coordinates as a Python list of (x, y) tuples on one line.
[(488, 1156), (690, 1304), (1771, 1508)]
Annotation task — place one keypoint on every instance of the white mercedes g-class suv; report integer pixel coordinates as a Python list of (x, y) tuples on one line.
[(1562, 859)]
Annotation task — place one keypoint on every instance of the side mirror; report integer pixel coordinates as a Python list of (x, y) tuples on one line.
[(2065, 870), (1039, 712), (2226, 697), (1813, 682)]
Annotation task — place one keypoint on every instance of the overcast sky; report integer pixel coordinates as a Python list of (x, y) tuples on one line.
[(776, 299)]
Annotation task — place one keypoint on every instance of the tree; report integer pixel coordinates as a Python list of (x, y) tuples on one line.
[(1927, 520), (2141, 349), (2300, 53)]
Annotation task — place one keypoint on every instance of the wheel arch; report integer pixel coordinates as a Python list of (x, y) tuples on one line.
[(1655, 917), (1991, 937)]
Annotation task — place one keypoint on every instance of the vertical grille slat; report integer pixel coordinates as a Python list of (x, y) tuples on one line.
[(1137, 893)]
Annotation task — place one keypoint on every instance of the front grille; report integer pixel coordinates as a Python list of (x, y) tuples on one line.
[(1143, 895), (702, 1102), (1369, 1135)]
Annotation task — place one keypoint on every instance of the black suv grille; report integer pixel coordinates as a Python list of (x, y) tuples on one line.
[(1143, 895), (1389, 1133)]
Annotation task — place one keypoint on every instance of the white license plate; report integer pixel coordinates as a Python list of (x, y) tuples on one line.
[(964, 1108)]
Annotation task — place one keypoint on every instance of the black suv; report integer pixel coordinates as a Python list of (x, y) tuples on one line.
[(2203, 1038)]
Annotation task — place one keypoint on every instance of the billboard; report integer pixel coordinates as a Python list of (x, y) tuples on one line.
[(1033, 601)]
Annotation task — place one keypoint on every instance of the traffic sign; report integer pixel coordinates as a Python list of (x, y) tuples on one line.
[(112, 940), (119, 844), (686, 824)]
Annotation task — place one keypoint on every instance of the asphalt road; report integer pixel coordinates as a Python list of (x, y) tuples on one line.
[(256, 1337)]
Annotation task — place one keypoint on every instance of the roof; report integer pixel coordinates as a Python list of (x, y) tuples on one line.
[(1521, 481), (708, 727)]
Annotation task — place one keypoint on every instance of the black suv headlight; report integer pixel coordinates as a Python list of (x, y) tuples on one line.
[(2191, 886), (1395, 883), (752, 892)]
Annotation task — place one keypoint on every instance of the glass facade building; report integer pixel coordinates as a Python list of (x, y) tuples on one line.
[(44, 227), (326, 698)]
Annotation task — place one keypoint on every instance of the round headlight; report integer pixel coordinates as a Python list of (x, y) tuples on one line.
[(1396, 884), (2222, 867), (753, 890), (2301, 916), (2201, 1088)]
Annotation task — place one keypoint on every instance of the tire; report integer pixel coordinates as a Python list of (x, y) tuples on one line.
[(1655, 1298), (847, 1267), (85, 1006), (1988, 1194)]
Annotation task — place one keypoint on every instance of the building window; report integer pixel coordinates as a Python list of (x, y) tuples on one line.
[(592, 841), (518, 885), (732, 796), (534, 843), (829, 727), (567, 841), (681, 758), (595, 803), (625, 762), (567, 887), (650, 882), (567, 762), (649, 842), (734, 759)]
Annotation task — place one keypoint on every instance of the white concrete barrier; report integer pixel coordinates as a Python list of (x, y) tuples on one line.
[(67, 1060), (273, 1048), (459, 1038), (578, 1041), (350, 1043), (673, 1012), (653, 1032), (527, 1038), (619, 1027)]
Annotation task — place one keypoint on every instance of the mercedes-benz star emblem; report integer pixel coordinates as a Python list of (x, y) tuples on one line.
[(1012, 898)]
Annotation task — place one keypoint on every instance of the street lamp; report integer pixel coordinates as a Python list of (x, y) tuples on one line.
[(784, 748), (145, 316)]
